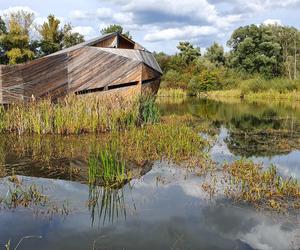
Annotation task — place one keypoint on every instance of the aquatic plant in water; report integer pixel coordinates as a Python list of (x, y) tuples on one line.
[(248, 182), (30, 196), (106, 166)]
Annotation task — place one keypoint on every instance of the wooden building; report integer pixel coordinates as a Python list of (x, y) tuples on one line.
[(108, 64)]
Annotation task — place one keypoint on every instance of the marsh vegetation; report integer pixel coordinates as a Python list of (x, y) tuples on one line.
[(166, 157)]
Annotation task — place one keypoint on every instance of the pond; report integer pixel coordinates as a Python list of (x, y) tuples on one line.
[(164, 206)]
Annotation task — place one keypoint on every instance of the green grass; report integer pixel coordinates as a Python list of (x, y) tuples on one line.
[(170, 92), (77, 115), (173, 141), (261, 89), (148, 110), (106, 167)]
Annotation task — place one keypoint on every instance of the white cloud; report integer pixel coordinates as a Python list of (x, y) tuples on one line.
[(184, 33), (10, 10), (87, 31), (78, 14), (104, 13), (272, 22)]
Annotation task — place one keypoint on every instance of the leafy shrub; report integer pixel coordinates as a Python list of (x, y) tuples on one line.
[(206, 81), (175, 79)]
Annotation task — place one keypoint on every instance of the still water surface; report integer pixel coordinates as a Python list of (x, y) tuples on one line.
[(165, 206)]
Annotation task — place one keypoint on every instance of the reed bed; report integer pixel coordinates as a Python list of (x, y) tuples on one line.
[(174, 142), (77, 115), (248, 182), (169, 92), (253, 96)]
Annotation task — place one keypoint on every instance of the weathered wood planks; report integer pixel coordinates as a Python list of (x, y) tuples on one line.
[(83, 68)]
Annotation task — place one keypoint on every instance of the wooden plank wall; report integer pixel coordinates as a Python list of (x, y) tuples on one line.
[(107, 43), (150, 74), (91, 68), (12, 84), (47, 76)]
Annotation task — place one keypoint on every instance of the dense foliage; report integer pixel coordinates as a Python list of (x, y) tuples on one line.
[(115, 28), (17, 44), (258, 54)]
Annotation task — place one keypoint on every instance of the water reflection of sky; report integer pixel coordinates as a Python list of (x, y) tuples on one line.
[(287, 164), (165, 214)]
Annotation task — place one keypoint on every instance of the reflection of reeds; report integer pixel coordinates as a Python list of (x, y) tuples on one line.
[(107, 204)]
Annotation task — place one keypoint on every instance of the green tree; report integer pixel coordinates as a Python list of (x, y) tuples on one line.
[(16, 41), (3, 28), (207, 80), (51, 35), (54, 38), (70, 38), (3, 31), (188, 52), (255, 49), (163, 60), (115, 28), (215, 54)]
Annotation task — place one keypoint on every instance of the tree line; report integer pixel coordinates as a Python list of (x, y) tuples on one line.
[(265, 51)]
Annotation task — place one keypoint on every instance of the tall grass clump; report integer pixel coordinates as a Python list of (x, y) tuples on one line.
[(77, 115), (248, 182), (148, 110), (106, 167)]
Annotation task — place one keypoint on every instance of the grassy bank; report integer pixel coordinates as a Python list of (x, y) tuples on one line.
[(256, 88), (170, 92), (252, 96)]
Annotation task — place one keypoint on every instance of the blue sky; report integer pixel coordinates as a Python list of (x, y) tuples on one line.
[(160, 24)]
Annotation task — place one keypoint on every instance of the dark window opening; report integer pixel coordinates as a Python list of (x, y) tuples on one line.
[(149, 80), (123, 85), (117, 86)]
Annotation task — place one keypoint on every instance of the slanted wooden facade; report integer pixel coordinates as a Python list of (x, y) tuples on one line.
[(109, 64)]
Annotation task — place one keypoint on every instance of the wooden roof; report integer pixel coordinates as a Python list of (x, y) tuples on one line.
[(93, 42)]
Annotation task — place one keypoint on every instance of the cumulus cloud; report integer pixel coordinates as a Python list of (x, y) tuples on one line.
[(180, 33), (272, 22), (87, 31), (79, 14), (14, 9), (103, 14)]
